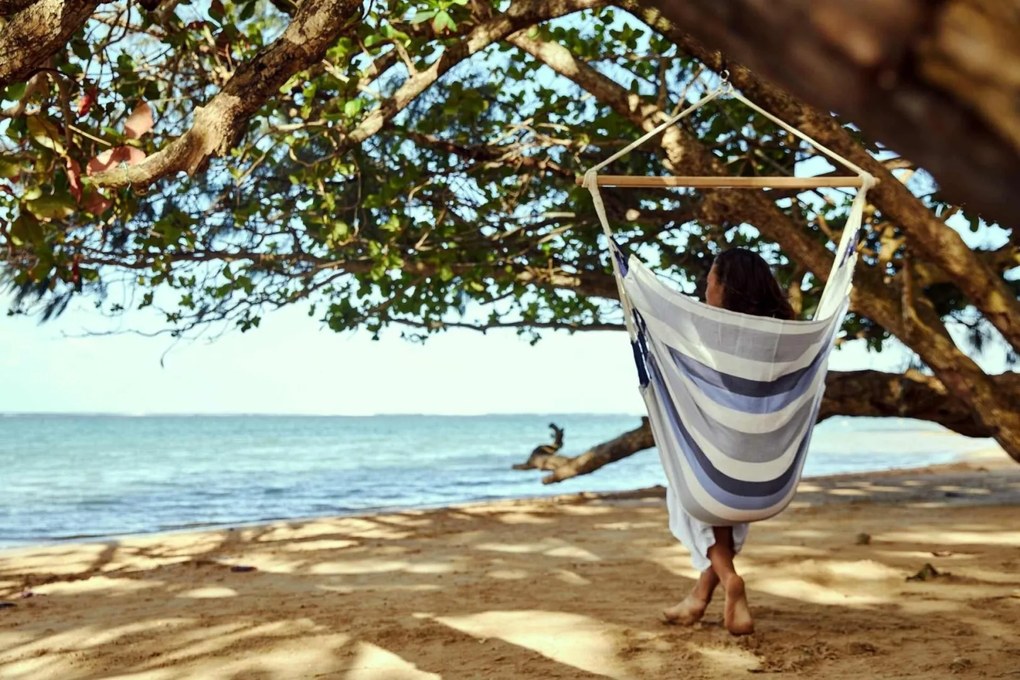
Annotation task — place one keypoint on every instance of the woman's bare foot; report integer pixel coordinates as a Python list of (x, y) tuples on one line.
[(690, 610), (687, 613), (737, 615)]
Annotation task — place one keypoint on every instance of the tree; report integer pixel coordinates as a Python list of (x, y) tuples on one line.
[(930, 79), (414, 164)]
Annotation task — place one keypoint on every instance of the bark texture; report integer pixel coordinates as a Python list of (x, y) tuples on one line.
[(544, 457), (937, 81), (36, 32), (9, 7), (976, 274), (626, 444)]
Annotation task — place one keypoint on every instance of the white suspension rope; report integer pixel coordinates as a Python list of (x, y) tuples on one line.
[(847, 240), (659, 128), (868, 179)]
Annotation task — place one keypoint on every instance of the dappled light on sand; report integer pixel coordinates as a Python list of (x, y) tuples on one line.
[(570, 639), (551, 547), (842, 585)]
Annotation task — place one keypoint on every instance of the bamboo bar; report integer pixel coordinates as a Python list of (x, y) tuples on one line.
[(728, 182)]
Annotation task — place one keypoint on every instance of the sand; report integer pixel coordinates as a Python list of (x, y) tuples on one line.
[(555, 588)]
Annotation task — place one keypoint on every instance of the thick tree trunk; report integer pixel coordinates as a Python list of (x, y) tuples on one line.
[(910, 395), (976, 274), (36, 33), (849, 393), (934, 80)]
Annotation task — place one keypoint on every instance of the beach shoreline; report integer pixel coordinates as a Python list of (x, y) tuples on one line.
[(565, 586), (96, 478), (988, 458)]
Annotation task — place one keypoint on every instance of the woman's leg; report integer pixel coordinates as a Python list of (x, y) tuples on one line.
[(736, 615)]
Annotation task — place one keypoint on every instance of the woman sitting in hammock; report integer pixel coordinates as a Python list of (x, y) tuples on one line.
[(740, 281)]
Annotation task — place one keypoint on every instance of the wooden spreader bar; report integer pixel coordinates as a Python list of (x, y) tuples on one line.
[(652, 182)]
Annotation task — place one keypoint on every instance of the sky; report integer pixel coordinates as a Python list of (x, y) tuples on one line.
[(292, 365)]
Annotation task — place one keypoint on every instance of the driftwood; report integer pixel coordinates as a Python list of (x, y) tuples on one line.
[(605, 453), (563, 467), (544, 457), (851, 393)]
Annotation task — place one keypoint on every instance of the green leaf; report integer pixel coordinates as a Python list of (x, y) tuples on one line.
[(248, 12), (24, 230), (31, 193), (216, 11), (81, 49), (14, 92), (52, 206), (337, 234), (352, 107), (9, 169), (422, 16), (443, 21), (45, 134)]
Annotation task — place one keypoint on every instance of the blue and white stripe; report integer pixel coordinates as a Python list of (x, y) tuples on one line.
[(732, 397)]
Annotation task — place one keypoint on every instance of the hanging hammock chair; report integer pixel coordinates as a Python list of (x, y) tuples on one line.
[(732, 398)]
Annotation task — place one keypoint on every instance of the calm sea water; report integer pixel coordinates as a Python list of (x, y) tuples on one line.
[(79, 477)]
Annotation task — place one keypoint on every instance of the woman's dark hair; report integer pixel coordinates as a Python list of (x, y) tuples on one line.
[(748, 285)]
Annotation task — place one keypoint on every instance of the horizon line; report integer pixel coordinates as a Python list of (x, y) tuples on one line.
[(227, 414)]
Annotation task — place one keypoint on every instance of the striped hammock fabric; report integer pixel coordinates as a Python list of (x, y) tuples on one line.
[(732, 398)]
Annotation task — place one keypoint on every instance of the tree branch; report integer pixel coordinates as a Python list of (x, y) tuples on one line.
[(36, 33), (898, 70), (1000, 261), (975, 275), (492, 154), (605, 453), (871, 293), (519, 15), (585, 283), (851, 393), (316, 25), (910, 395), (218, 125), (485, 327), (683, 152)]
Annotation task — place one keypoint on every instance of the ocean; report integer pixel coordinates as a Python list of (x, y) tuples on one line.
[(88, 477)]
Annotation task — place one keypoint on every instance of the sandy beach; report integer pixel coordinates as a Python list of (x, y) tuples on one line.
[(568, 587)]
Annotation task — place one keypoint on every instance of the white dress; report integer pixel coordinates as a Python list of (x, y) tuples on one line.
[(697, 536)]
